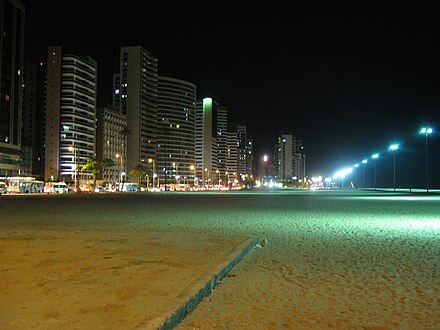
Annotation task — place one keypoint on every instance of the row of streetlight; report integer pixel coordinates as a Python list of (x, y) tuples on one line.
[(392, 148)]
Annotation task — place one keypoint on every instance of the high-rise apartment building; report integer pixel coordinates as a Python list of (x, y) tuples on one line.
[(222, 128), (231, 156), (138, 98), (288, 159), (110, 142), (206, 139), (33, 119), (70, 113), (12, 16), (176, 109), (116, 95), (250, 157), (241, 151)]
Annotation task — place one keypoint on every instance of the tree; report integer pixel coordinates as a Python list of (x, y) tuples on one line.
[(107, 163), (97, 166), (139, 171)]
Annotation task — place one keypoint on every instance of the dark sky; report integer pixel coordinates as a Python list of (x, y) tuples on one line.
[(346, 77)]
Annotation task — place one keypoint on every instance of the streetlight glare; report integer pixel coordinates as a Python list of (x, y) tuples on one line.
[(394, 147), (375, 156), (356, 165), (426, 130), (364, 161)]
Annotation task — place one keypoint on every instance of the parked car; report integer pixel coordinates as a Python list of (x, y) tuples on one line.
[(2, 188), (99, 189), (55, 188)]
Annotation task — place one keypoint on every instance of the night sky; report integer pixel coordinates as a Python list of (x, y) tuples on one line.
[(348, 78)]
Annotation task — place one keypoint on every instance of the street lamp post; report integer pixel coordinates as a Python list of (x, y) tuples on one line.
[(218, 176), (227, 180), (176, 165), (193, 168), (364, 162), (394, 148), (75, 166), (151, 160), (304, 167), (208, 179), (426, 131), (375, 157), (118, 156)]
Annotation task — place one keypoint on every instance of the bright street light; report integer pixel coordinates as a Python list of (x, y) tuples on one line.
[(426, 131), (394, 148), (193, 168)]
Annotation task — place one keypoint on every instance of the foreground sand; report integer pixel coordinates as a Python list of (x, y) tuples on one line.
[(350, 261), (102, 279)]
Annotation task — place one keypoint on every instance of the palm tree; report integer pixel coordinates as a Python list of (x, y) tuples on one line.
[(139, 171), (124, 133), (97, 166)]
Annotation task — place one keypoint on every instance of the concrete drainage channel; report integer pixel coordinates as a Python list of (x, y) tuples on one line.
[(178, 315)]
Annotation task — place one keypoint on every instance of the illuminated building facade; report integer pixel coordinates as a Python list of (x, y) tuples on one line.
[(222, 129), (241, 150), (70, 113), (206, 139), (110, 142), (176, 130), (288, 159), (250, 157)]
